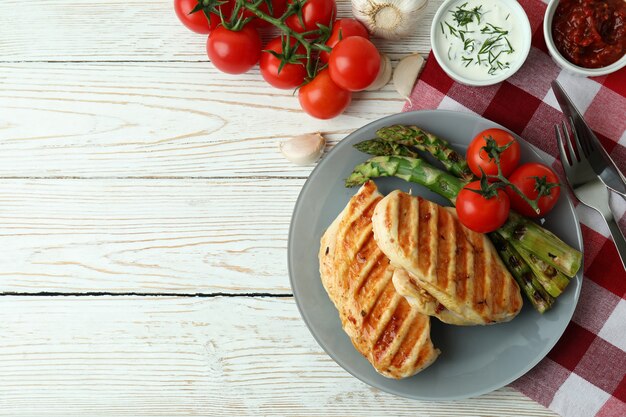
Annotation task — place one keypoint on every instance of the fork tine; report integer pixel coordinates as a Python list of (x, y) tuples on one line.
[(562, 152), (568, 138), (581, 152)]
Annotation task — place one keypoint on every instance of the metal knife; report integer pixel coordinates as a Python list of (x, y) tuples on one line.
[(601, 162)]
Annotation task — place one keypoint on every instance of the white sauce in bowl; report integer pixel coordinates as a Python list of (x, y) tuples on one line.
[(480, 39)]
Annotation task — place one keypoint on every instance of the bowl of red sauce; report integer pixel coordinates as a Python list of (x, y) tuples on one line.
[(587, 37)]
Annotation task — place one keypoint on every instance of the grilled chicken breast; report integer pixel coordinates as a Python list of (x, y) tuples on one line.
[(393, 335), (459, 268)]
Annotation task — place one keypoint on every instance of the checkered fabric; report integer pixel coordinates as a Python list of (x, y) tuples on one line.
[(585, 374)]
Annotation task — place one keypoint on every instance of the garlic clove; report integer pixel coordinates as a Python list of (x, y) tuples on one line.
[(384, 74), (389, 19), (406, 74), (303, 149)]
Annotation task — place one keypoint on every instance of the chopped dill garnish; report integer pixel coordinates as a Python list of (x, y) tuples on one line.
[(492, 30), (467, 60), (510, 50), (452, 30), (464, 17)]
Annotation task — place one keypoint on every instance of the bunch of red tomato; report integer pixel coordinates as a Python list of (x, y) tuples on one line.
[(485, 210), (325, 66)]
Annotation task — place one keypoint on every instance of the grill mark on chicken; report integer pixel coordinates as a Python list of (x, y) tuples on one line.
[(371, 320), (400, 212), (364, 261), (422, 356), (487, 293), (415, 227), (412, 336), (502, 295), (424, 235), (461, 252), (444, 247), (405, 233), (479, 276), (392, 329), (497, 287), (374, 279)]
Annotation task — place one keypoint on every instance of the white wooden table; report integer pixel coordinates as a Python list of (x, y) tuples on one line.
[(144, 210)]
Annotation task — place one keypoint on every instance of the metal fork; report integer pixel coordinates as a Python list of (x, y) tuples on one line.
[(587, 186)]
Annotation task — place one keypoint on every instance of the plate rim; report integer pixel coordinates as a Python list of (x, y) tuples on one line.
[(290, 266)]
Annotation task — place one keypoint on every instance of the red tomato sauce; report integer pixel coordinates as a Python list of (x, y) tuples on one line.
[(590, 33)]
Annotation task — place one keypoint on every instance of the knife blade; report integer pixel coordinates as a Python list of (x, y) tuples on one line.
[(600, 160)]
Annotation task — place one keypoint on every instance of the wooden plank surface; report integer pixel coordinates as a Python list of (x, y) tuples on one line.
[(70, 356), (129, 165), (156, 120), (126, 30), (146, 236)]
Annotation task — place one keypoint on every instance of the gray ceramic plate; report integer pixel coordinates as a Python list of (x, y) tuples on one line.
[(473, 360)]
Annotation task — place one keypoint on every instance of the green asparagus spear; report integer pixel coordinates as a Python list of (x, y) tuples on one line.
[(550, 278), (543, 243), (381, 147), (529, 234), (409, 169), (424, 141), (521, 271)]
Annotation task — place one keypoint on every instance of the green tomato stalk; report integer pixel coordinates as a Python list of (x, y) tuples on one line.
[(312, 41)]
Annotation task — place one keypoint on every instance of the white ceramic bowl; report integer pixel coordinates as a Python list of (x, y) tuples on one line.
[(526, 36), (564, 63)]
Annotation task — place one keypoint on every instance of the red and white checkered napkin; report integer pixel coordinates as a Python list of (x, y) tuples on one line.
[(585, 374)]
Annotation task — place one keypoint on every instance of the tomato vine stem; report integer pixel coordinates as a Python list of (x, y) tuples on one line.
[(315, 44)]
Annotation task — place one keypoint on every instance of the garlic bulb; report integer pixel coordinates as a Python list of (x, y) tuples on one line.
[(389, 19), (384, 74), (303, 149), (406, 74)]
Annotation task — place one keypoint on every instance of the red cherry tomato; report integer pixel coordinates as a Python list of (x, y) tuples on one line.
[(354, 63), (313, 12), (479, 213), (342, 29), (278, 8), (477, 157), (291, 75), (234, 52), (198, 21), (524, 178), (322, 98)]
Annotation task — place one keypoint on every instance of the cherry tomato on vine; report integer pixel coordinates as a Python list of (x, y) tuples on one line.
[(198, 21), (479, 213), (323, 12), (322, 98), (291, 75), (354, 63), (477, 157), (525, 178), (234, 52), (278, 8), (342, 29)]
